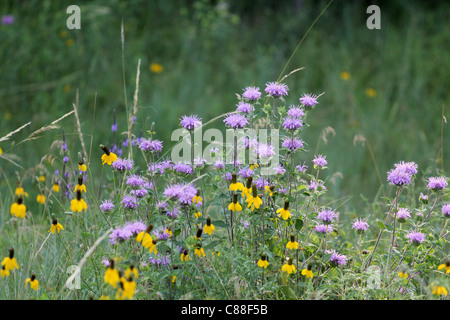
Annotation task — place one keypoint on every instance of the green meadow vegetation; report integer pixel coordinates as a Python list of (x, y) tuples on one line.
[(383, 101)]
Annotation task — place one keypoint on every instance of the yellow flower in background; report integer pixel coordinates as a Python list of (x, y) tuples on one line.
[(308, 272), (108, 157), (200, 252), (197, 214), (253, 202), (18, 209), (284, 213), (40, 198), (197, 199), (81, 187), (131, 270), (55, 187), (145, 238), (34, 284), (445, 266), (111, 275), (156, 68), (288, 267), (292, 245), (254, 166), (78, 204), (174, 278), (4, 272), (234, 207), (55, 227), (440, 291), (167, 230), (402, 275), (1, 151), (152, 247), (345, 75), (41, 178), (69, 42), (209, 227), (185, 256), (126, 289), (82, 167), (263, 263), (21, 192), (371, 92), (63, 34), (216, 252), (10, 263), (268, 189)]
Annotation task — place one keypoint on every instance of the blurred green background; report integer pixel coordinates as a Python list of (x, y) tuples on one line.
[(387, 87)]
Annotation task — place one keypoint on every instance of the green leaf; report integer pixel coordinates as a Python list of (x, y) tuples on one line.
[(299, 224)]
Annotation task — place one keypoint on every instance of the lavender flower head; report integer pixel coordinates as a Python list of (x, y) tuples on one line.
[(337, 259), (135, 227), (159, 260), (360, 225), (319, 161), (107, 206), (446, 210), (302, 167), (119, 235), (403, 214), (244, 107), (149, 145), (322, 228), (400, 176), (292, 124), (416, 237), (295, 112), (327, 216), (175, 212), (251, 93), (437, 183), (123, 164), (135, 181), (7, 19), (190, 122), (408, 167), (129, 202), (235, 121), (183, 168), (308, 100), (265, 150), (292, 144), (423, 198), (276, 89)]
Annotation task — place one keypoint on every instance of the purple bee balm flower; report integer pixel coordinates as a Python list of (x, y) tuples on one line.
[(199, 162), (161, 234), (159, 260), (437, 183), (292, 123), (244, 107), (322, 228), (135, 181), (408, 167), (245, 224), (295, 112), (423, 198), (228, 176), (446, 210), (107, 206), (219, 164), (122, 164), (265, 150), (114, 127), (66, 159), (235, 121), (251, 93), (166, 164), (337, 259), (245, 173), (7, 20), (175, 212), (106, 262), (276, 89), (190, 122), (162, 205), (360, 225), (316, 186), (64, 146), (416, 237), (139, 193), (183, 168), (302, 167), (327, 216), (129, 202), (292, 144), (308, 100), (319, 161), (119, 235), (279, 170), (403, 214), (135, 227), (156, 146), (261, 183)]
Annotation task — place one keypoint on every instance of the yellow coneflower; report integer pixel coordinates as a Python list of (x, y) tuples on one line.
[(345, 75), (10, 263), (4, 272), (254, 166), (18, 209), (112, 276), (269, 189), (215, 252), (402, 275), (145, 237), (263, 263), (247, 191), (34, 283), (41, 178), (288, 267), (174, 278), (445, 266), (308, 272), (253, 200), (156, 68), (440, 291), (234, 205), (199, 251), (1, 151), (167, 230), (82, 167), (292, 244), (284, 212), (197, 198), (55, 187), (40, 198), (20, 191), (197, 214), (78, 204), (152, 247), (80, 186), (126, 290), (235, 186), (131, 270), (185, 256), (209, 227), (55, 227), (108, 157)]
